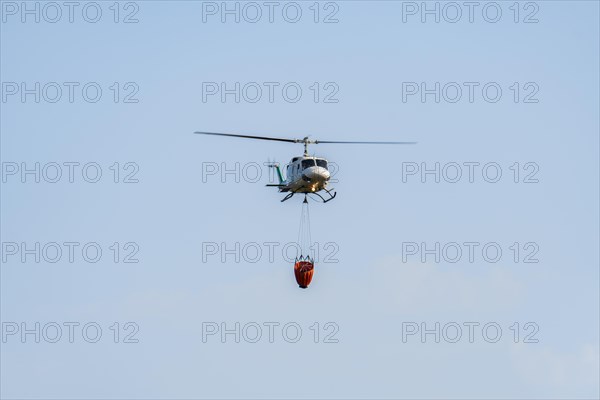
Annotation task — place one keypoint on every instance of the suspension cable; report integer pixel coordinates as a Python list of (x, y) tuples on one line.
[(304, 237)]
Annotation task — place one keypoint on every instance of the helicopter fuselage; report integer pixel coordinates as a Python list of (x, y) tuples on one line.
[(305, 174)]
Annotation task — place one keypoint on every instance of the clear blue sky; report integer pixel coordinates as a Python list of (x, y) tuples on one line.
[(372, 292)]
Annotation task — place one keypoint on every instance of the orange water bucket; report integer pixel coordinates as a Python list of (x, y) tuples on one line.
[(304, 272)]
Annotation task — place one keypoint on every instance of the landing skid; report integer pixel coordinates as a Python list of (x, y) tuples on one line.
[(331, 196), (289, 196)]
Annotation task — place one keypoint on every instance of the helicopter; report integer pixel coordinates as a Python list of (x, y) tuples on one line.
[(304, 174)]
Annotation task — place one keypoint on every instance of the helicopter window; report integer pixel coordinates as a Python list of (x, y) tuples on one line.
[(322, 163), (308, 163)]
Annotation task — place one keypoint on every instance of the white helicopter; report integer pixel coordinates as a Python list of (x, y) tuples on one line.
[(304, 174)]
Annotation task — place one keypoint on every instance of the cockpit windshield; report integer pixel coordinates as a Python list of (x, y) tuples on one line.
[(321, 163), (308, 163)]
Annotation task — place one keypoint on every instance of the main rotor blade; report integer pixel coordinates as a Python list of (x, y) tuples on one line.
[(342, 142), (248, 136)]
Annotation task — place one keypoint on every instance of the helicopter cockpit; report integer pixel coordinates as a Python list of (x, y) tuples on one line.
[(312, 162), (299, 164)]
